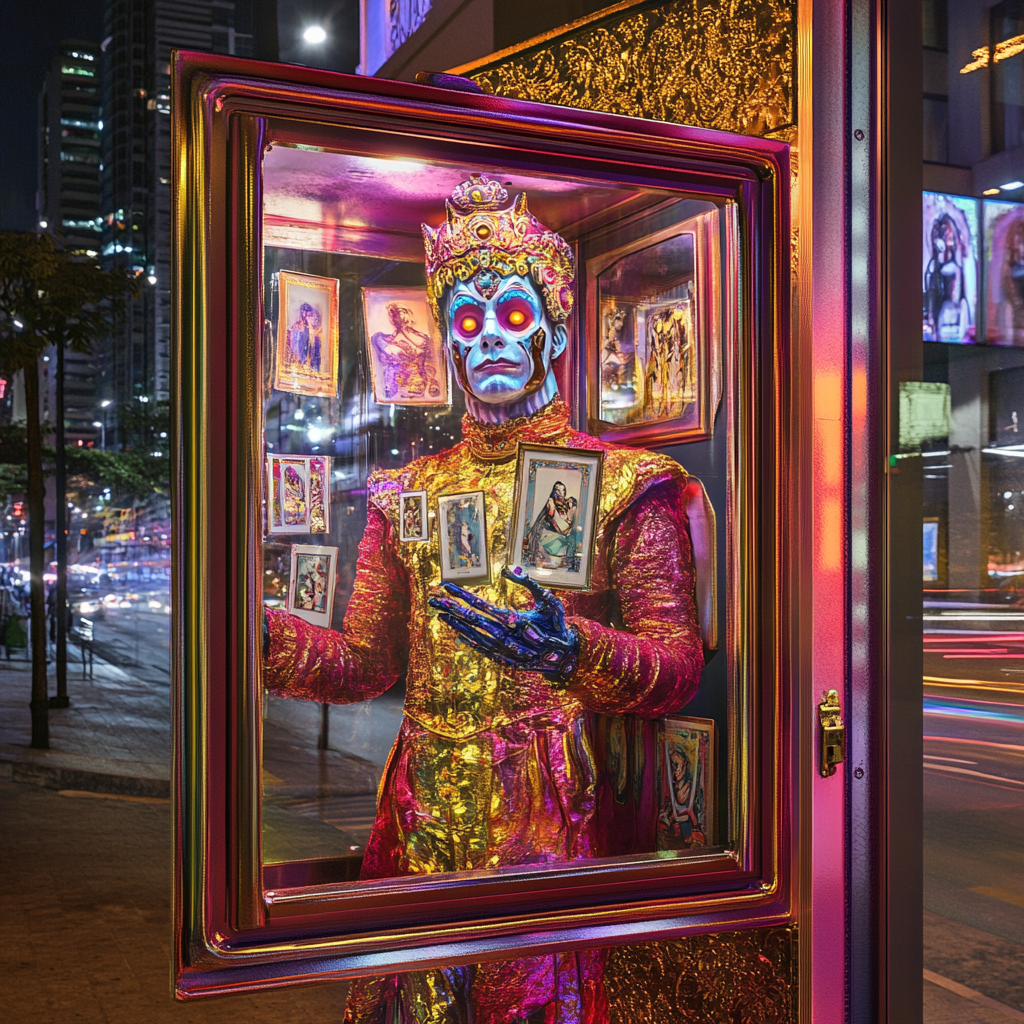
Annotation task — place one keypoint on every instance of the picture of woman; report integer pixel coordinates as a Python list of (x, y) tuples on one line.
[(406, 359), (462, 549), (306, 338), (294, 497), (311, 587), (1004, 246), (551, 542), (412, 517), (306, 361), (462, 527), (950, 265)]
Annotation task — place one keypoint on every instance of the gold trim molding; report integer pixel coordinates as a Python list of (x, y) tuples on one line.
[(723, 64), (715, 979)]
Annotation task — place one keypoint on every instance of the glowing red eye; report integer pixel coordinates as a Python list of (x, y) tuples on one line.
[(469, 325), (515, 314)]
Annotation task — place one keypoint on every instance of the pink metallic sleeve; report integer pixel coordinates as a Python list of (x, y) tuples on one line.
[(653, 664), (312, 663)]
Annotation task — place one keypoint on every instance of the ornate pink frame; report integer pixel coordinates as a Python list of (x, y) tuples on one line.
[(233, 933)]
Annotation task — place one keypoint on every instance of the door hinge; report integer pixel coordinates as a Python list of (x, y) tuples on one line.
[(833, 734)]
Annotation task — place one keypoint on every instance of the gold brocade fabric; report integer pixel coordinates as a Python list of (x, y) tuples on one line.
[(494, 767)]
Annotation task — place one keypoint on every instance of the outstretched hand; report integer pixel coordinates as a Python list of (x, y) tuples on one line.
[(535, 640)]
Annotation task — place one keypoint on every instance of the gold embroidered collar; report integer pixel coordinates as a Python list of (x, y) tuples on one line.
[(494, 442)]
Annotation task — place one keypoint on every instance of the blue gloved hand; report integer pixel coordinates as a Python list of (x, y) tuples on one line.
[(535, 640)]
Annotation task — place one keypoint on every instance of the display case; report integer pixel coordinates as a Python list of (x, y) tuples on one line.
[(310, 359)]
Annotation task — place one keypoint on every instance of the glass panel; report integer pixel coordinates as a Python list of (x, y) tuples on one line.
[(462, 760), (972, 454)]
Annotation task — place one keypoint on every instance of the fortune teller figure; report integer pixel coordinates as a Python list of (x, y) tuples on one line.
[(528, 735)]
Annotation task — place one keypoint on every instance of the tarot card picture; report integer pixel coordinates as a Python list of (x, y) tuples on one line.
[(666, 367), (654, 370), (1004, 263), (618, 359), (686, 774), (319, 494), (413, 522), (462, 530), (558, 492), (950, 262), (407, 360), (314, 572), (306, 361), (299, 495)]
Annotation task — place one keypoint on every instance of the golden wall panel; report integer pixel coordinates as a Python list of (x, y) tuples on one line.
[(748, 976), (725, 64)]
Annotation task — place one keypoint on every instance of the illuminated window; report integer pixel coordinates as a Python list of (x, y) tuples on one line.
[(1007, 33)]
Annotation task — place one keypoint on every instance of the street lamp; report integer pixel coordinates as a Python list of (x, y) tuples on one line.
[(104, 405)]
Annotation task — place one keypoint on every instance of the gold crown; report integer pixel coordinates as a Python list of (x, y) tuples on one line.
[(484, 239)]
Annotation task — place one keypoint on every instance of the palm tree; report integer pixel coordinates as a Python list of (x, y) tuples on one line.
[(47, 298)]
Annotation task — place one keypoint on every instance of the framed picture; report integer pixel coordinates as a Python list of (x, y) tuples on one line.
[(655, 376), (298, 494), (558, 491), (307, 335), (949, 268), (686, 783), (462, 529), (408, 365), (414, 524), (1004, 272), (314, 572)]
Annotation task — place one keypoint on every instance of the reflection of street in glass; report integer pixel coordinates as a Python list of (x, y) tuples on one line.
[(974, 794), (131, 622), (321, 804)]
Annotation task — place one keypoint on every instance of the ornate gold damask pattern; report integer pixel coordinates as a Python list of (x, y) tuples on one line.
[(726, 64), (748, 976)]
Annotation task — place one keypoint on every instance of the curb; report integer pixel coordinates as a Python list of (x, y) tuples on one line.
[(54, 777)]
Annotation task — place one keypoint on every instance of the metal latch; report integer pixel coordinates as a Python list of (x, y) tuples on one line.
[(833, 734)]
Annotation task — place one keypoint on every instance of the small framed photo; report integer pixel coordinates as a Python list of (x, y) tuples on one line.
[(686, 783), (558, 492), (298, 494), (408, 365), (414, 524), (462, 530), (306, 362), (311, 584)]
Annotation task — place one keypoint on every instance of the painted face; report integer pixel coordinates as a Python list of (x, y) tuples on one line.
[(502, 346)]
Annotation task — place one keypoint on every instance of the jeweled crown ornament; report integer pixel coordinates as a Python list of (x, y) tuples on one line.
[(485, 238)]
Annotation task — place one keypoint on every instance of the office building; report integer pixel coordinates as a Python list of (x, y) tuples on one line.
[(68, 206), (139, 38)]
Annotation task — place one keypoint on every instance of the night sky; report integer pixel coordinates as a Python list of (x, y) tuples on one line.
[(30, 31)]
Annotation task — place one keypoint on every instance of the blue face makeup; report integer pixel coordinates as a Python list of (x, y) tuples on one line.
[(497, 341)]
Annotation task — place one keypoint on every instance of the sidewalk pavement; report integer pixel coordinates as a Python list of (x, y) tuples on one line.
[(79, 948), (85, 929), (114, 738)]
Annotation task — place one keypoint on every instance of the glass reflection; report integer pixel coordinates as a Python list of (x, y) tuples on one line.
[(488, 722)]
